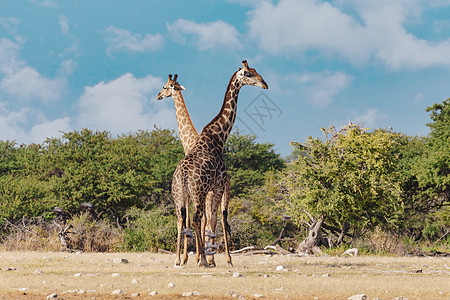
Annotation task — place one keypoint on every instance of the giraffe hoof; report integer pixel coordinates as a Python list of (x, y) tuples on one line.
[(203, 264)]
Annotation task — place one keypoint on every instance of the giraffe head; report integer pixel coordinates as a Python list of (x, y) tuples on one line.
[(249, 76), (170, 86)]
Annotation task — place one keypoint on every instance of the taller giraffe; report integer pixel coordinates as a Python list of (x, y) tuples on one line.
[(203, 169), (189, 135)]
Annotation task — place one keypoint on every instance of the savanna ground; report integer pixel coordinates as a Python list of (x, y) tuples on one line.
[(34, 275)]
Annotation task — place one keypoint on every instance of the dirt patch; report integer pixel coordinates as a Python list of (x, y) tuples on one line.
[(34, 275)]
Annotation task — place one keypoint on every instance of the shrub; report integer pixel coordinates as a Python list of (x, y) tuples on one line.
[(86, 234), (94, 236), (150, 230)]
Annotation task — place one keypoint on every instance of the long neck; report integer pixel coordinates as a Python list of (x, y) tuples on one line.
[(188, 133), (219, 128)]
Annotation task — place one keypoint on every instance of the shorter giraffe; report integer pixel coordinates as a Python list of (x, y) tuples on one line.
[(189, 135)]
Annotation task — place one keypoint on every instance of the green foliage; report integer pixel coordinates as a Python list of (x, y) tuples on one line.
[(349, 177), (425, 173), (116, 173), (9, 161), (248, 161), (88, 166), (433, 167), (150, 230)]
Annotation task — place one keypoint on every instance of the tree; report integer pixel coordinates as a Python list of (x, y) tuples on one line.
[(112, 174), (426, 172), (248, 161), (345, 183)]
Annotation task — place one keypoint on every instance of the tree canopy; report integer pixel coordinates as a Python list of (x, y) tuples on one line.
[(349, 179)]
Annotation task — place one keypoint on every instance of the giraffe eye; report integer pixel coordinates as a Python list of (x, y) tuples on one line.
[(248, 74)]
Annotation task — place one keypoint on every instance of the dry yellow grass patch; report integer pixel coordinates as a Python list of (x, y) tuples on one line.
[(88, 275)]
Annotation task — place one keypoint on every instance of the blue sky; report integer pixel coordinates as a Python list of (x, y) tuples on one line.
[(67, 65)]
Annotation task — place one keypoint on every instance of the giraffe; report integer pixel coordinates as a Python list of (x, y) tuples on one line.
[(189, 135), (203, 168)]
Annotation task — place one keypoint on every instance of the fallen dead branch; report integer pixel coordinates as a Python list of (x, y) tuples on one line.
[(164, 251)]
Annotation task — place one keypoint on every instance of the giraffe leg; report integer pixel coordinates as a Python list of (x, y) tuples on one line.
[(225, 226), (212, 204), (197, 256), (199, 208), (180, 226), (179, 198), (186, 238)]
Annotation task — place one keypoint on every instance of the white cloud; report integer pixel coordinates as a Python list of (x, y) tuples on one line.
[(321, 88), (11, 24), (293, 26), (67, 67), (48, 129), (9, 57), (45, 3), (297, 26), (370, 118), (64, 23), (124, 40), (120, 105), (14, 124), (205, 36), (24, 82), (29, 84)]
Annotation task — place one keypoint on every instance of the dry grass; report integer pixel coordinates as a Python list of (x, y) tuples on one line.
[(43, 273)]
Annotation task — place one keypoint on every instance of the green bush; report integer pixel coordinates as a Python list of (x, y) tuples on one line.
[(150, 230)]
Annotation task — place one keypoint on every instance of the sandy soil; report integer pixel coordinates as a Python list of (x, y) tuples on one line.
[(34, 275)]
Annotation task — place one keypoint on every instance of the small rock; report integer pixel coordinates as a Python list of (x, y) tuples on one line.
[(52, 296), (38, 272), (400, 298), (10, 269), (77, 275), (235, 295), (279, 289), (187, 294), (135, 295), (121, 261), (115, 274), (351, 252), (196, 293), (326, 275), (357, 297), (134, 281), (265, 275), (78, 252), (118, 292), (171, 285), (153, 293), (23, 289), (280, 268), (237, 274), (258, 296)]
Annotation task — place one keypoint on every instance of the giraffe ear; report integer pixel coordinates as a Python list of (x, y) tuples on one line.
[(182, 87)]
